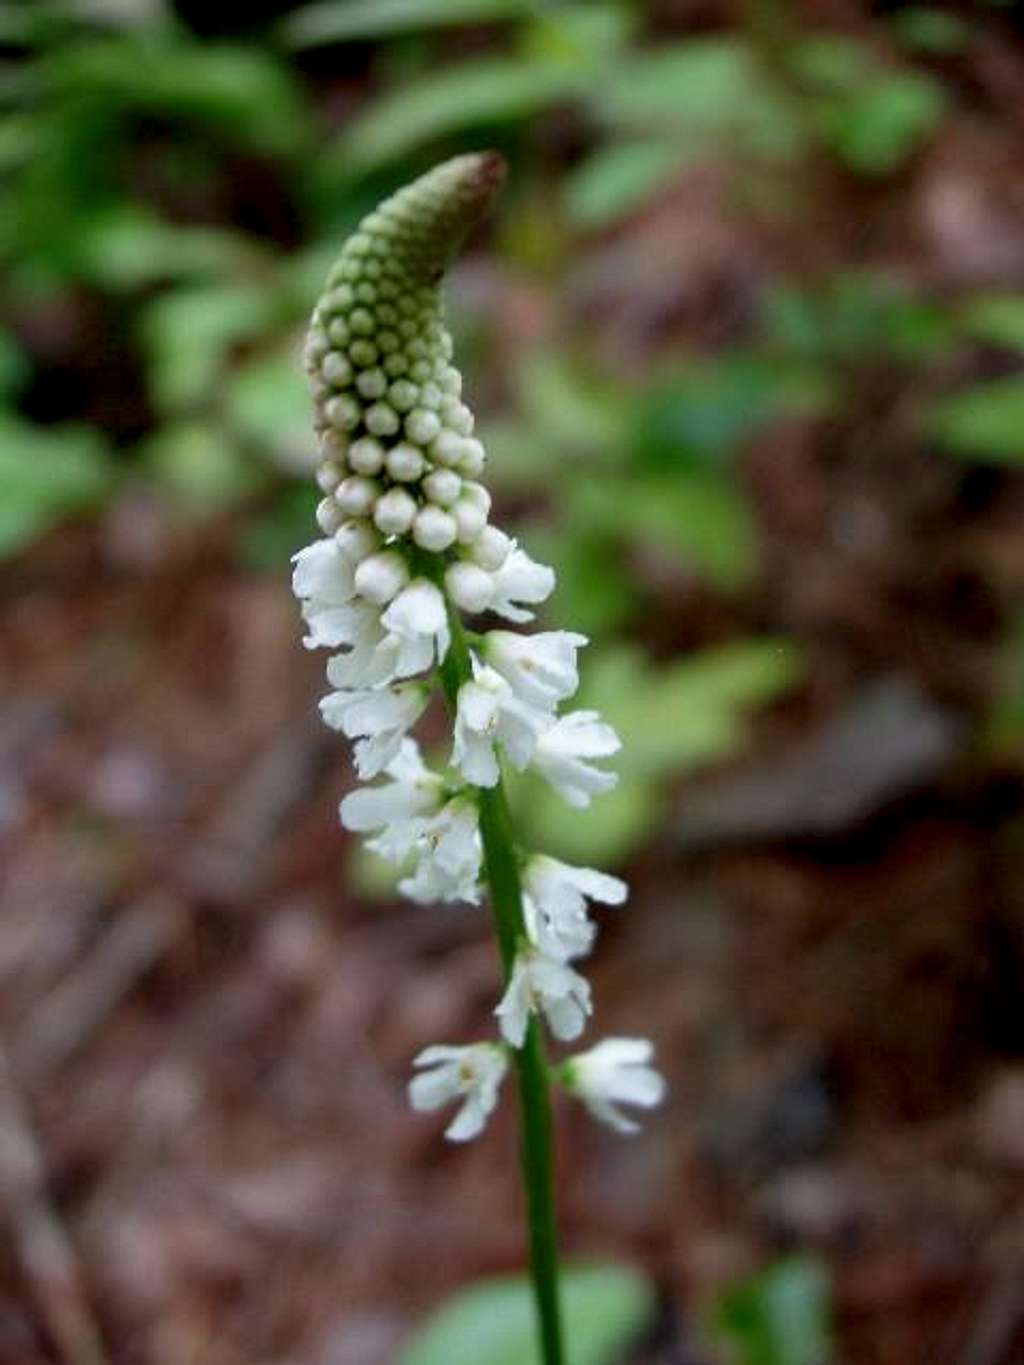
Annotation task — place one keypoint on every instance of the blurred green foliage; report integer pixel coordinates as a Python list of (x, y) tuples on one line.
[(605, 1309), (780, 1316)]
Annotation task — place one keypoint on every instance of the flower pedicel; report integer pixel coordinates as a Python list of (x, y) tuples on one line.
[(407, 547)]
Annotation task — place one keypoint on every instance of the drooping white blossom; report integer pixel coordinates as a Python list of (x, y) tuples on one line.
[(540, 984), (448, 854), (324, 581), (555, 904), (472, 1074), (489, 713), (615, 1071), (541, 668), (412, 793), (562, 751), (417, 626), (379, 718), (520, 579)]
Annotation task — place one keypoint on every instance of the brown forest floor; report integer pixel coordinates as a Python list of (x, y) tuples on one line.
[(208, 1034)]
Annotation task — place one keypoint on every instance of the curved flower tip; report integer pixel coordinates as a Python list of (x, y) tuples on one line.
[(615, 1071), (472, 1074)]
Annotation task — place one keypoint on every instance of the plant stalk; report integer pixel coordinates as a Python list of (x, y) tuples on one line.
[(501, 868)]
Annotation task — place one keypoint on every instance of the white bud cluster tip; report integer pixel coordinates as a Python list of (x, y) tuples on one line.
[(407, 540)]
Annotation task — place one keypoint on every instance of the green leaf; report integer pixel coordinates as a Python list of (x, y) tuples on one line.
[(570, 411), (318, 25), (984, 422), (700, 518), (486, 90), (47, 473), (492, 1323), (200, 466), (707, 91), (997, 319), (781, 1316), (696, 418), (266, 400), (672, 721), (125, 247), (238, 91), (678, 718), (187, 335), (616, 180), (879, 127), (14, 365), (933, 31)]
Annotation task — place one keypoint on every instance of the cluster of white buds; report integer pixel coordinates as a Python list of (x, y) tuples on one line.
[(406, 541)]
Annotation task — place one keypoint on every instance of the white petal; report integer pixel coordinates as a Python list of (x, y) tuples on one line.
[(432, 1089), (519, 580), (513, 1011)]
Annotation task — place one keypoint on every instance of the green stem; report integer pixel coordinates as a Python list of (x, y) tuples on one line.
[(501, 868)]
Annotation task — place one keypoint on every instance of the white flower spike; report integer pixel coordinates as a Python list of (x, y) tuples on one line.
[(472, 1074), (407, 545), (616, 1071)]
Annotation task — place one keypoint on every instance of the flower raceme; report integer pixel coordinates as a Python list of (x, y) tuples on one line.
[(407, 544)]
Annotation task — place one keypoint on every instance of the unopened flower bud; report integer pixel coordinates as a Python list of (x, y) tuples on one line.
[(343, 412), (372, 384), (403, 395), (336, 369), (446, 449), (422, 426), (329, 516), (394, 512), (366, 455), (356, 495), (457, 417), (470, 586), (363, 352), (470, 520), (328, 476), (491, 548), (356, 540), (442, 486), (381, 577), (434, 529), (471, 457), (405, 462), (478, 495), (382, 420)]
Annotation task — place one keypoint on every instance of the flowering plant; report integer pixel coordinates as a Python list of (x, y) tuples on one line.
[(408, 547)]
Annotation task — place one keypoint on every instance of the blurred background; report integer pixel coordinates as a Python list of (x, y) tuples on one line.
[(745, 342)]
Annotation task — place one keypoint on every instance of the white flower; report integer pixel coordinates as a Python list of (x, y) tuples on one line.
[(323, 580), (475, 1072), (488, 712), (399, 805), (417, 626), (541, 983), (448, 854), (520, 579), (563, 747), (615, 1071), (378, 717), (555, 904), (540, 669)]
